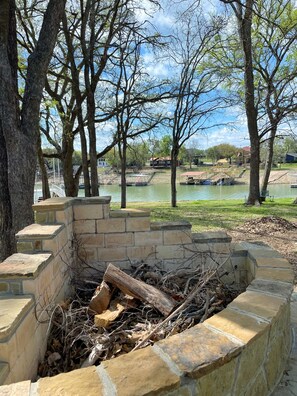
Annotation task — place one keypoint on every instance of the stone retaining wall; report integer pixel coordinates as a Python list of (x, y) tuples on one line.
[(240, 351)]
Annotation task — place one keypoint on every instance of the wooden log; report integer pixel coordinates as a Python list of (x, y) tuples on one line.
[(139, 289)]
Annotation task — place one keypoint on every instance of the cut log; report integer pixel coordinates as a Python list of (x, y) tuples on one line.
[(101, 299), (107, 317), (139, 289)]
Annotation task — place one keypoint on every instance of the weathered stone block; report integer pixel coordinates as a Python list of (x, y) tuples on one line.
[(141, 252), (86, 240), (244, 327), (19, 388), (169, 252), (276, 288), (176, 237), (219, 381), (13, 310), (198, 351), (87, 212), (149, 376), (129, 213), (149, 238), (79, 382), (250, 363), (138, 224), (259, 304), (275, 262), (111, 225), (119, 239), (111, 254), (275, 274), (84, 227)]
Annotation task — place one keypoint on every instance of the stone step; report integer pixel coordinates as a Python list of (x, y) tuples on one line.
[(13, 309), (18, 268), (33, 238)]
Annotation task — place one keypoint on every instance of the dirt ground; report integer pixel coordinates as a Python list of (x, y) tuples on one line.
[(274, 231)]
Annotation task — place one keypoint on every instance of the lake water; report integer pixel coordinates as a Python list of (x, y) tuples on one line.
[(161, 192)]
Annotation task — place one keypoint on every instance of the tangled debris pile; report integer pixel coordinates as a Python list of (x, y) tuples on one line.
[(79, 336), (267, 225)]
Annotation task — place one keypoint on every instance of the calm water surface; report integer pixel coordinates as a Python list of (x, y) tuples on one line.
[(161, 192)]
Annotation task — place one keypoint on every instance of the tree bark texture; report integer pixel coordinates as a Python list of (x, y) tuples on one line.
[(244, 17), (138, 289), (20, 129)]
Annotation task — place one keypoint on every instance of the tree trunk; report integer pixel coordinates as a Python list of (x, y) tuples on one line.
[(245, 25), (19, 132), (123, 157), (268, 162), (92, 144), (45, 185), (174, 156)]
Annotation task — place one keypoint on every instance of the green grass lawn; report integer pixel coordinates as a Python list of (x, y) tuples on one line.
[(216, 215)]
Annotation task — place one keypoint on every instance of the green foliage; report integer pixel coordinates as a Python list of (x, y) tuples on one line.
[(222, 151), (137, 156)]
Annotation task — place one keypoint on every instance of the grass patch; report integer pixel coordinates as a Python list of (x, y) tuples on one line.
[(216, 215)]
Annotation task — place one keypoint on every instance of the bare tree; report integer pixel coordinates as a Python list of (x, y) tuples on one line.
[(195, 100)]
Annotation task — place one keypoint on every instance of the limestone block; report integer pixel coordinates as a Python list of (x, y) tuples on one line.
[(258, 386), (219, 381), (95, 240), (19, 388), (250, 363), (275, 262), (84, 227), (80, 382), (141, 372), (258, 304), (198, 351), (110, 225), (244, 327), (12, 311), (126, 212), (38, 231), (149, 238), (275, 274), (112, 254), (277, 356), (9, 351), (119, 239), (141, 252), (87, 212), (177, 237), (169, 252), (276, 288), (138, 224)]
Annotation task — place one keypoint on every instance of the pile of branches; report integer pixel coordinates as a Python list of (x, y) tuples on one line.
[(74, 341), (268, 224)]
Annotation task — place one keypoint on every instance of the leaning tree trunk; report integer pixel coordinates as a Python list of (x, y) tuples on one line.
[(268, 162)]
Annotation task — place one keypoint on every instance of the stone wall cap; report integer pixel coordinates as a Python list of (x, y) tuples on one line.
[(12, 311), (56, 203), (271, 287), (211, 237), (129, 213), (39, 231), (24, 265), (91, 200), (171, 225)]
